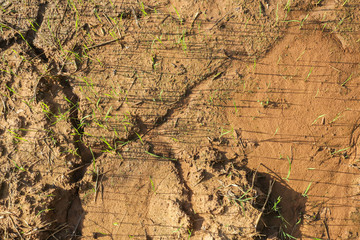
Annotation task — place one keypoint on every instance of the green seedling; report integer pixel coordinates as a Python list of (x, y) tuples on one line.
[(17, 136), (18, 167), (306, 190), (177, 13), (142, 8), (112, 4), (160, 95), (260, 12), (275, 207), (224, 132), (287, 235), (287, 6), (340, 22), (73, 152), (236, 110), (10, 89), (107, 114), (348, 79), (340, 150), (190, 232), (178, 229), (139, 138), (307, 77), (44, 210), (303, 20), (243, 199), (182, 41), (339, 115), (277, 13), (276, 131), (157, 156), (97, 15), (110, 148), (289, 170), (93, 160), (324, 26), (301, 54), (264, 103), (318, 119), (217, 75), (77, 17), (317, 93), (33, 27), (152, 185)]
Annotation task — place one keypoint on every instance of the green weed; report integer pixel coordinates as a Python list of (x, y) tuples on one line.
[(306, 190), (348, 79), (289, 170), (157, 156), (142, 8), (152, 185), (17, 166), (323, 115), (307, 77)]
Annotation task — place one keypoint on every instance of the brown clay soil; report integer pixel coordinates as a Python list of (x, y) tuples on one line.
[(189, 119)]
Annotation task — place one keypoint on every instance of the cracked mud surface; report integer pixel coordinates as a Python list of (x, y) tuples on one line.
[(179, 119)]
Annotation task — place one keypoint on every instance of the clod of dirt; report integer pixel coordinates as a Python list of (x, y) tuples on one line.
[(207, 157), (166, 212), (225, 204)]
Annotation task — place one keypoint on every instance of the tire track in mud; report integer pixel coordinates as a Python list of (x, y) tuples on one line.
[(172, 113), (29, 36), (83, 151), (74, 212), (187, 96)]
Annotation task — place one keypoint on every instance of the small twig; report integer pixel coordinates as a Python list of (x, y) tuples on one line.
[(108, 19), (77, 225), (335, 68), (75, 169), (146, 235), (4, 110), (272, 182), (16, 228), (96, 184), (127, 92), (327, 229), (219, 20), (58, 229), (196, 16), (254, 175), (277, 175), (103, 44), (136, 19), (166, 17)]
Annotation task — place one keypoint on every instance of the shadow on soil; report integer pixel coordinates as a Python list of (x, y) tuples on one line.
[(282, 213)]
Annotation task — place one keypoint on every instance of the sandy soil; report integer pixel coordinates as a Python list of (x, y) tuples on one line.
[(196, 119)]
